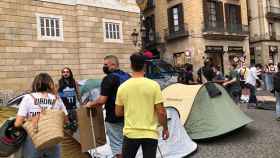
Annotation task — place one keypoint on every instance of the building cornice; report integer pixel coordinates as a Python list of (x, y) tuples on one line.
[(108, 4)]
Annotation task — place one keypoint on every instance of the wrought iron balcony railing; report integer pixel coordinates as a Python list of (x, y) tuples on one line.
[(239, 29), (214, 27), (172, 33), (273, 12)]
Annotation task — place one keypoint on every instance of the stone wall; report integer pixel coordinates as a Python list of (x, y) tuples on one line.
[(22, 55), (259, 30)]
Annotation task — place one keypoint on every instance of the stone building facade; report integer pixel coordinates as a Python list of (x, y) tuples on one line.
[(186, 31), (47, 35), (264, 20)]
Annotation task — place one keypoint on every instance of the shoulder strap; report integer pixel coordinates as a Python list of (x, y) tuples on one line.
[(34, 99)]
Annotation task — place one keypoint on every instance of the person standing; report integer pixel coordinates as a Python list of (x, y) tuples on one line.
[(233, 84), (68, 90), (140, 101), (206, 73), (109, 86), (219, 76), (251, 84), (188, 74), (269, 72), (244, 72), (276, 85), (42, 97)]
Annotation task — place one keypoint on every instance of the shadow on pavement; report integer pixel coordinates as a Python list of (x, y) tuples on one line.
[(240, 134)]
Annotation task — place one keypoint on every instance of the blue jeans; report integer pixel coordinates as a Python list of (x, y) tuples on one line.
[(253, 97), (29, 151), (277, 95), (269, 81), (115, 134)]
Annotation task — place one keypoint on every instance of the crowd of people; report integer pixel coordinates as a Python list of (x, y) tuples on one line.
[(241, 82), (133, 104)]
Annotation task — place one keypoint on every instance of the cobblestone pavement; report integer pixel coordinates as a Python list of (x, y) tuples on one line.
[(259, 139)]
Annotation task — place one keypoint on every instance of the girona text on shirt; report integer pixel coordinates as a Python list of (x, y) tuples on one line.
[(40, 101), (43, 103)]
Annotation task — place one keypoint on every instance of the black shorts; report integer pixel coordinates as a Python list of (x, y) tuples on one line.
[(243, 84)]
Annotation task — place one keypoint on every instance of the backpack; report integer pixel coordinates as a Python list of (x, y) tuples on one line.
[(10, 138), (276, 81), (122, 76)]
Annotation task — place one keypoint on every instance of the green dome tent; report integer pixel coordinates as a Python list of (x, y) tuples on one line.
[(204, 116)]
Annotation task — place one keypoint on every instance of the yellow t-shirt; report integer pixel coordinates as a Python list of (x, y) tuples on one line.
[(139, 96)]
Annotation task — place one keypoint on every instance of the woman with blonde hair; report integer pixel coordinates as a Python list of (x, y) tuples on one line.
[(42, 97)]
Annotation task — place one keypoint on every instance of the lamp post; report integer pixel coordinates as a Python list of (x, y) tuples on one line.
[(134, 36)]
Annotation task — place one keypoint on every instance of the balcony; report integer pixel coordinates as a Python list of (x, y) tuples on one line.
[(150, 5), (233, 32), (265, 37), (273, 13), (151, 39), (214, 28), (238, 29), (272, 36), (172, 35)]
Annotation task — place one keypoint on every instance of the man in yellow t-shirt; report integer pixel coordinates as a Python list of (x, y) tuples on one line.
[(140, 101)]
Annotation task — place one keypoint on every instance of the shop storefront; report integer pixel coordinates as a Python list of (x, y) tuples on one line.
[(236, 54), (273, 54), (215, 53)]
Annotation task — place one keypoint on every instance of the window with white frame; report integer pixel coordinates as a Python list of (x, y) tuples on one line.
[(49, 27), (112, 30)]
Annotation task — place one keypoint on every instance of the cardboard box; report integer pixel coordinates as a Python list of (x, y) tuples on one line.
[(86, 131)]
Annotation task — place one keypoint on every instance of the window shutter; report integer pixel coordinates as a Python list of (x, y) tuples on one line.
[(181, 16), (238, 10), (220, 14), (206, 13), (170, 19), (227, 15)]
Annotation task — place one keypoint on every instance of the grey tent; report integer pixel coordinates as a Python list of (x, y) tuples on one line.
[(204, 116)]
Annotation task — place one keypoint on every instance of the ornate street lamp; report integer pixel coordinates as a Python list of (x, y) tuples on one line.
[(134, 36)]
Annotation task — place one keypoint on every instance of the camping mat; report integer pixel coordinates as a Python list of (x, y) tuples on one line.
[(266, 98), (181, 97), (70, 148), (6, 112), (211, 117)]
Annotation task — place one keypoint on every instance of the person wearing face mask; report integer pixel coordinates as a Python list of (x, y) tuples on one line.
[(109, 86)]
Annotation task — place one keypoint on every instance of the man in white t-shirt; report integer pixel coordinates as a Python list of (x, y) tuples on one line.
[(251, 84)]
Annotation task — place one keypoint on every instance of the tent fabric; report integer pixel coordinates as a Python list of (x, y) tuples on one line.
[(178, 145), (181, 97), (87, 85), (202, 116)]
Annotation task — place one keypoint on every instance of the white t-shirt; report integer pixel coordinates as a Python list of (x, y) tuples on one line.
[(252, 76), (30, 107)]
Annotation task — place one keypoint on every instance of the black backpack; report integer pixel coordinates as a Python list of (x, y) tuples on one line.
[(276, 81), (10, 139)]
